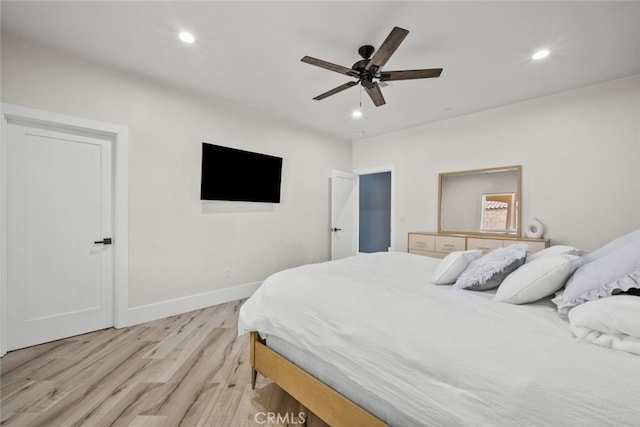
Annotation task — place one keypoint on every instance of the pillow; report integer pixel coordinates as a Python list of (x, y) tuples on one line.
[(537, 279), (612, 322), (618, 270), (612, 246), (453, 265), (552, 250), (490, 270)]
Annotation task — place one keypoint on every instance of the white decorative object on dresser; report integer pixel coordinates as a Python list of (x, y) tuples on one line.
[(439, 245)]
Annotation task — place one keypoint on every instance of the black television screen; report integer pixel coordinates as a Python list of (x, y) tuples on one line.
[(238, 175)]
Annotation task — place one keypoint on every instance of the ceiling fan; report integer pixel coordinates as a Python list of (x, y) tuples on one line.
[(369, 69)]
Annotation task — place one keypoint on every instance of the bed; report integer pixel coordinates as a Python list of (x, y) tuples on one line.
[(371, 340)]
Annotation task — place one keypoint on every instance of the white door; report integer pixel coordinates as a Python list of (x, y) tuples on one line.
[(59, 210), (344, 206)]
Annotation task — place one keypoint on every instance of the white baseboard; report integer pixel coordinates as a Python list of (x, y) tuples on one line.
[(160, 310)]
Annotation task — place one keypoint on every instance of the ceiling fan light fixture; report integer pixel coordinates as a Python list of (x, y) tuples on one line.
[(187, 37), (541, 54)]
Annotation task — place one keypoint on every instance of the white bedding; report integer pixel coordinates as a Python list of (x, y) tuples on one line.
[(612, 322), (444, 356)]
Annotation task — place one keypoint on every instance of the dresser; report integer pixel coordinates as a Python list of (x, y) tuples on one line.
[(439, 245)]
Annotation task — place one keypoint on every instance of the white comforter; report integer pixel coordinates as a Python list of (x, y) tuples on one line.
[(443, 356), (612, 322)]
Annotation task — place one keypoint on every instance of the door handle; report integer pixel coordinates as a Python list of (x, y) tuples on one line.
[(105, 241), (336, 229)]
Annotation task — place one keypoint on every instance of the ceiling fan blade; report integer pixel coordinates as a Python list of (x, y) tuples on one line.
[(375, 94), (329, 66), (335, 90), (386, 49), (410, 74)]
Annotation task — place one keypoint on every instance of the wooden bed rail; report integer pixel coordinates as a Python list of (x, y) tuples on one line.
[(329, 405)]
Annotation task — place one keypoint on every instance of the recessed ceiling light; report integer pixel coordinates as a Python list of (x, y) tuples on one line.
[(186, 37), (356, 113), (543, 53)]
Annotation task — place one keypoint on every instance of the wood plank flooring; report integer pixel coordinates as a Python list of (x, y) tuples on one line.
[(186, 370)]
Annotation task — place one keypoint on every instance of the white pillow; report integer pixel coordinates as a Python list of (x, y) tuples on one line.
[(612, 322), (537, 279), (453, 265), (600, 278), (552, 250), (489, 271)]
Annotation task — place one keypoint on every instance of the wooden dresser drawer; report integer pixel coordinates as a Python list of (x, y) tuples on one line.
[(427, 253), (421, 242), (532, 247), (448, 244), (439, 245), (485, 245)]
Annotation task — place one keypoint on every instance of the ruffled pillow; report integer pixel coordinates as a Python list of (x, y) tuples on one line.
[(490, 270), (617, 271), (613, 245)]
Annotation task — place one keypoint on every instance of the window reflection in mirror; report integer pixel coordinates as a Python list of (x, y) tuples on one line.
[(498, 212)]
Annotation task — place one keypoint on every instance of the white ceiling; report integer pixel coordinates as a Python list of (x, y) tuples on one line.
[(249, 53)]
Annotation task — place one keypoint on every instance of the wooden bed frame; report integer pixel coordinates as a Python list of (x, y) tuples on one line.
[(329, 405)]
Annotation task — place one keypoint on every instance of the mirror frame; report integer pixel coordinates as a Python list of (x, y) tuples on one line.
[(518, 233)]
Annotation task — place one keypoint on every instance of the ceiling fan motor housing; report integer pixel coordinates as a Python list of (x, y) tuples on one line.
[(366, 80), (359, 66), (366, 76)]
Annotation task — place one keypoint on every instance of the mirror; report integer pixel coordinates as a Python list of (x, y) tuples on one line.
[(480, 201)]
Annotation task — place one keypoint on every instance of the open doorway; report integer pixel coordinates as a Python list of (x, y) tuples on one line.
[(375, 210)]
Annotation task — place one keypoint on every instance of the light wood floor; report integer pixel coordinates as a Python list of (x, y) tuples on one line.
[(186, 370)]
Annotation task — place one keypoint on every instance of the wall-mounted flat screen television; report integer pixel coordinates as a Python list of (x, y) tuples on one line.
[(238, 175)]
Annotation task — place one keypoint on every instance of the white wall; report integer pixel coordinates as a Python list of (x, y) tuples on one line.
[(178, 245), (579, 151)]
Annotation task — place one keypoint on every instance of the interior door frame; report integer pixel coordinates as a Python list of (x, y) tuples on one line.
[(119, 135), (379, 169)]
